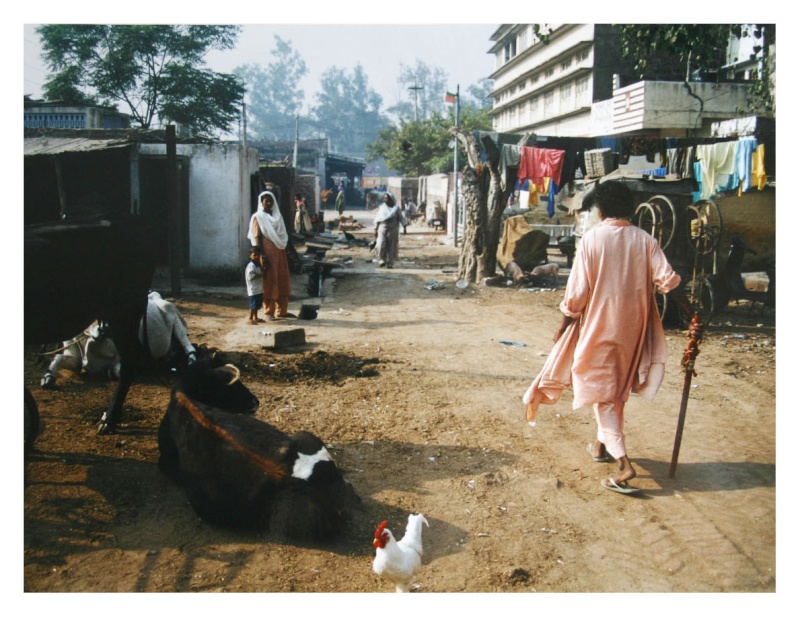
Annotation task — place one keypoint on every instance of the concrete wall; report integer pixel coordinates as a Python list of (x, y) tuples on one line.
[(219, 202), (403, 187), (668, 104), (308, 186)]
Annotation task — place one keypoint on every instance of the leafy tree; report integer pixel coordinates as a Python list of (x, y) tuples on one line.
[(423, 147), (425, 87), (273, 94), (347, 110), (478, 95), (676, 51), (156, 70)]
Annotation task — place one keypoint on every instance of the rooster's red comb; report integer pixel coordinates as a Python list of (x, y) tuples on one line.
[(380, 528)]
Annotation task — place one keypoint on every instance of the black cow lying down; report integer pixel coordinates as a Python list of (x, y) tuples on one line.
[(244, 473)]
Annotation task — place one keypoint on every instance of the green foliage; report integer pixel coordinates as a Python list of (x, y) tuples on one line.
[(423, 148), (675, 51), (478, 95), (156, 70), (347, 110), (274, 97), (690, 47)]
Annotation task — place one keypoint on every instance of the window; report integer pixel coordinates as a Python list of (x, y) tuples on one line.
[(582, 85), (510, 50), (522, 39), (566, 64), (549, 72), (548, 100), (566, 92)]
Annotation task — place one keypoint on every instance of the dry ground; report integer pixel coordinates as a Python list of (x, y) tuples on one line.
[(420, 400)]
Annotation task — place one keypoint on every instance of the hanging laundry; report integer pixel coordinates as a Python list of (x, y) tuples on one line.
[(509, 159), (537, 164), (717, 163), (745, 148), (759, 171)]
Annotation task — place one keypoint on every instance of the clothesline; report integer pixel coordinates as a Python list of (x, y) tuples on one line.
[(716, 164)]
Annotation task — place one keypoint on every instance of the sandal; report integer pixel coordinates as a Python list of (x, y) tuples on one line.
[(619, 487)]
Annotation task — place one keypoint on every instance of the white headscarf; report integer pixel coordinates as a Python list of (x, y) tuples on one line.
[(386, 212), (271, 226)]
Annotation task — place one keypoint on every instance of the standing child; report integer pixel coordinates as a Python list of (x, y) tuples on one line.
[(253, 275)]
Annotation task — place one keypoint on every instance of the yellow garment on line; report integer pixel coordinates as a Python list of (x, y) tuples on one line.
[(758, 171)]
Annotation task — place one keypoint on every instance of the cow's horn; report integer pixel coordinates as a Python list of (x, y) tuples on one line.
[(235, 377)]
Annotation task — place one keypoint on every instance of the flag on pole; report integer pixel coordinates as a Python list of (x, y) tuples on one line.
[(450, 97)]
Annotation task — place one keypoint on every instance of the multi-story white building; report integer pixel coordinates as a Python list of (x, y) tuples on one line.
[(549, 88), (571, 87)]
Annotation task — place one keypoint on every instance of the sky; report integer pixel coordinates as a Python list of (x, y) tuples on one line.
[(461, 50)]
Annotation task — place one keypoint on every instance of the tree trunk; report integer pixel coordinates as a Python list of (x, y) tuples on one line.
[(473, 259), (485, 202)]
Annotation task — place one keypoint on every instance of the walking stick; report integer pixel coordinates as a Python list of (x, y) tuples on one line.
[(695, 335)]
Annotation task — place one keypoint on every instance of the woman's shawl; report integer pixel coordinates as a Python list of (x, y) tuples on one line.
[(272, 227)]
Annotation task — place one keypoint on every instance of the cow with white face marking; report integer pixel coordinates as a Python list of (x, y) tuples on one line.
[(241, 472)]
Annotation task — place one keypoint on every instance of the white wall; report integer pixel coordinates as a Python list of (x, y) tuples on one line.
[(219, 201)]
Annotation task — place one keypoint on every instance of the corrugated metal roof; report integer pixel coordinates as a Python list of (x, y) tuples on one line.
[(48, 145)]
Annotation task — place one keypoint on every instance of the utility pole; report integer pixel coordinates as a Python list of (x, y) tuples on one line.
[(296, 139), (244, 124), (455, 175), (175, 239), (415, 87)]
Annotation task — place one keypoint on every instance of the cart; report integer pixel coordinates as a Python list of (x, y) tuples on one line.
[(689, 233)]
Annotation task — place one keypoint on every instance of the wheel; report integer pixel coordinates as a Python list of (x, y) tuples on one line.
[(666, 217), (646, 218), (704, 226), (657, 217), (31, 421)]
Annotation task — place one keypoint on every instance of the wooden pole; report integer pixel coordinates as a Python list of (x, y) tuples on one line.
[(695, 335), (174, 234)]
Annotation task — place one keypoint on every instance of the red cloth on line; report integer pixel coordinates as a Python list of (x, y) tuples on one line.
[(536, 164)]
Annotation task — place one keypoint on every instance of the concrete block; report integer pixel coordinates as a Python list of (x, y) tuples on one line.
[(289, 337)]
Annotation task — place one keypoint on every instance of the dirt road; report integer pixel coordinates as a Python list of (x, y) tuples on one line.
[(417, 388)]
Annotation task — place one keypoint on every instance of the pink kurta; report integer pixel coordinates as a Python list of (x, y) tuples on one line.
[(618, 343)]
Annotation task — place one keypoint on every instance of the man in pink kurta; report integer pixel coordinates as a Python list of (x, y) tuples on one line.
[(611, 341)]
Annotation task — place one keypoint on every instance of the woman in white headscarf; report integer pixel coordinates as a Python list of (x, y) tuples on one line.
[(387, 231), (268, 231)]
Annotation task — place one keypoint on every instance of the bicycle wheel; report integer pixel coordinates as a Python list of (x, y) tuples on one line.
[(704, 226), (666, 217), (646, 218)]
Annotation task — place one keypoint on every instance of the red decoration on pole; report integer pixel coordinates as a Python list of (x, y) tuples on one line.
[(695, 335)]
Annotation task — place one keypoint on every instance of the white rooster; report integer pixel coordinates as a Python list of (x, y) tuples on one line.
[(400, 561)]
